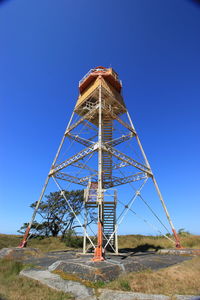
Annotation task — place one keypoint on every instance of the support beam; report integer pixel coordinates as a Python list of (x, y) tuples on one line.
[(116, 117), (123, 180), (81, 165), (86, 116), (119, 140), (127, 159), (73, 159), (64, 176), (98, 254), (77, 138)]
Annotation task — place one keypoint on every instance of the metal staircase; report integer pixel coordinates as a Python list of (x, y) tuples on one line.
[(108, 212), (106, 156), (109, 221)]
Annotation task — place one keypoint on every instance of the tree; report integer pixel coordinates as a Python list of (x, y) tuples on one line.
[(56, 214)]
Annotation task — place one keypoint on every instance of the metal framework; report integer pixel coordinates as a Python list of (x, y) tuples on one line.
[(100, 105)]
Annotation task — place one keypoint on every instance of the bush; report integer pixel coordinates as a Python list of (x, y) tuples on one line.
[(183, 232), (71, 240)]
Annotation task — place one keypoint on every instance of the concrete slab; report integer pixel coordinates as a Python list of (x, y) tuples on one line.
[(113, 266), (184, 251), (82, 266)]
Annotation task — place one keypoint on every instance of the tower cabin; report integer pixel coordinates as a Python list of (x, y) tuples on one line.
[(111, 88)]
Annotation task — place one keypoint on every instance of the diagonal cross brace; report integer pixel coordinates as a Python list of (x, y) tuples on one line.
[(86, 116), (119, 140), (80, 165), (116, 117), (64, 176), (127, 159), (132, 178), (79, 139), (73, 159)]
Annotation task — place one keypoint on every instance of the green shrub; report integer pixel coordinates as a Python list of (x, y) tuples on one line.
[(71, 240)]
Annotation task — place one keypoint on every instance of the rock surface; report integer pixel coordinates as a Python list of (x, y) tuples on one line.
[(20, 253), (82, 292), (54, 281)]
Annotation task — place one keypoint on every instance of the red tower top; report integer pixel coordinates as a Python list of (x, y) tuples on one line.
[(107, 73)]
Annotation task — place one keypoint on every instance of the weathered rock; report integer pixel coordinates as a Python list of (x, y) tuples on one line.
[(118, 295), (111, 268), (82, 292), (54, 281), (184, 251), (187, 297), (19, 253), (88, 270)]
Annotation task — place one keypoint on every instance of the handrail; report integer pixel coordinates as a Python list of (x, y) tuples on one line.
[(92, 71)]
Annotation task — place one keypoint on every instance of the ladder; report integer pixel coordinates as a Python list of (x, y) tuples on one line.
[(109, 221), (107, 129), (108, 212)]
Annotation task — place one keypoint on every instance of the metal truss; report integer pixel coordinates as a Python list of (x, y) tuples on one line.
[(73, 212), (80, 165), (64, 176), (114, 116), (73, 159), (86, 116), (127, 208), (90, 126), (119, 140), (122, 164), (80, 140), (132, 178), (127, 159), (115, 181)]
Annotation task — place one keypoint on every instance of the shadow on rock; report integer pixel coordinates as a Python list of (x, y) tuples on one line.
[(141, 248)]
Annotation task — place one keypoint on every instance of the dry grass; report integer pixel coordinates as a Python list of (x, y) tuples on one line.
[(45, 244), (8, 240), (154, 242), (13, 287), (181, 279), (48, 244), (125, 241)]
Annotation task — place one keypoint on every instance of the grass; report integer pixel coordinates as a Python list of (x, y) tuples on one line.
[(181, 279), (156, 242), (45, 244), (125, 241), (14, 287)]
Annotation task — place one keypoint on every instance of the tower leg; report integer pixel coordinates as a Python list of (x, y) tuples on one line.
[(177, 240), (98, 253), (24, 240), (178, 245), (85, 237)]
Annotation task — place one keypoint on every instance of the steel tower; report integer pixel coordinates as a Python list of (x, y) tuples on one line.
[(99, 110)]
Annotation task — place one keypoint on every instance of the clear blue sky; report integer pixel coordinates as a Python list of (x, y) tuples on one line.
[(45, 49)]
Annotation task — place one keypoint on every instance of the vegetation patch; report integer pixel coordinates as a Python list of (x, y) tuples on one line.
[(183, 279), (145, 243), (73, 277), (14, 287)]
